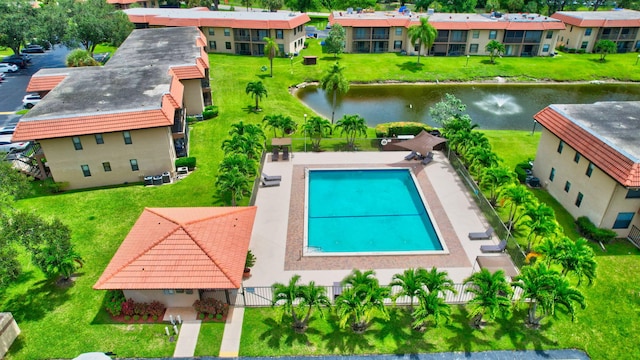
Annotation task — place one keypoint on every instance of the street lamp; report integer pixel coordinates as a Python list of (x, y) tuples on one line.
[(638, 58), (291, 61), (305, 133), (467, 64)]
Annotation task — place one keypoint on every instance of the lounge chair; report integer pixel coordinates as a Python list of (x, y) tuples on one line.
[(412, 156), (269, 183), (481, 235), (271, 178), (494, 248), (285, 153), (275, 153)]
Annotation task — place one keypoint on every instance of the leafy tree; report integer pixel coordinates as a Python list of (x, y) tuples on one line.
[(604, 47), (13, 186), (50, 25), (15, 23), (362, 301), (364, 4), (516, 196), (247, 3), (422, 4), (424, 35), (493, 178), (280, 122), (531, 7), (495, 48), (410, 281), (577, 258), (244, 144), (309, 296), (250, 130), (492, 295), (241, 162), (352, 126), (334, 81), (537, 284), (515, 5), (286, 296), (256, 90), (233, 185), (492, 5), (448, 109), (481, 157), (317, 128), (541, 221), (79, 57), (437, 281), (330, 4), (459, 6), (272, 5), (334, 43), (429, 305), (566, 296), (271, 51), (303, 5), (313, 297)]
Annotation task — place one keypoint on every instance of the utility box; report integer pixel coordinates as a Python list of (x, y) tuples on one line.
[(310, 60)]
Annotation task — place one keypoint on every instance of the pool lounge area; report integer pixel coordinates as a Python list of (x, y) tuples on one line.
[(278, 234)]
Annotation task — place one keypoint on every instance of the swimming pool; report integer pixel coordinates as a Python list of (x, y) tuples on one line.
[(367, 212)]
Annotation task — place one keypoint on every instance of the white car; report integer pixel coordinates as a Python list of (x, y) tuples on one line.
[(6, 146), (30, 100), (6, 67)]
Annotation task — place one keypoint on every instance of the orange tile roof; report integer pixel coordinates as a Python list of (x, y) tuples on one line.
[(44, 83), (187, 72), (606, 157), (121, 1), (617, 18), (182, 248)]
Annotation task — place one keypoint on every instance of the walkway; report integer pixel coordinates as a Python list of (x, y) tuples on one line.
[(187, 339), (232, 332)]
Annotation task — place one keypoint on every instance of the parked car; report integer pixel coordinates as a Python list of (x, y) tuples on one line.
[(30, 100), (7, 146), (32, 49), (16, 61), (23, 57), (6, 67), (7, 130)]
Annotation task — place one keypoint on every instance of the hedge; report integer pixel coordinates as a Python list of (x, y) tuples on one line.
[(521, 172), (210, 112), (189, 162), (590, 231), (401, 128)]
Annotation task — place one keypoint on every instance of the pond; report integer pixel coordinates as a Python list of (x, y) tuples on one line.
[(491, 106)]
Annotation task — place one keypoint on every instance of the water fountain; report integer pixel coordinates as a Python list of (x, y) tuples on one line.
[(499, 104)]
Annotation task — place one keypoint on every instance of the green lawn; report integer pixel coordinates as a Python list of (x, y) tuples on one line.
[(100, 219)]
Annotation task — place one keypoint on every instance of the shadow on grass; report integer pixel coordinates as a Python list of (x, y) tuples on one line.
[(345, 341), (399, 328), (466, 336), (410, 66), (520, 335), (330, 58), (42, 298), (17, 346), (251, 109), (264, 76), (281, 333)]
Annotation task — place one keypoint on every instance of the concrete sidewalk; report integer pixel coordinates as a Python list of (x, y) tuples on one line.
[(187, 339), (230, 345)]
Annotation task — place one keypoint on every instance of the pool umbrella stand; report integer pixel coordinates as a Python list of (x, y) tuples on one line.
[(422, 143)]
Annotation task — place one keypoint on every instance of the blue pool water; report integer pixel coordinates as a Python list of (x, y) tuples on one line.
[(367, 211)]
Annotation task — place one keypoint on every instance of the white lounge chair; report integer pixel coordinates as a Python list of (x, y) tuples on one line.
[(494, 248), (271, 178), (481, 235)]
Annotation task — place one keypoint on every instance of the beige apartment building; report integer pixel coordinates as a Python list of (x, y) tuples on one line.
[(458, 34), (232, 32), (585, 28), (126, 120), (588, 159)]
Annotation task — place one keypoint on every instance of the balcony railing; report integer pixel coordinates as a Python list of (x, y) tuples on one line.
[(242, 38)]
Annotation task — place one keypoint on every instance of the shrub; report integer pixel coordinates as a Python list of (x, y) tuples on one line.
[(521, 170), (211, 316), (189, 162), (127, 317), (156, 309), (219, 316), (145, 317), (114, 301), (210, 112), (128, 308), (590, 231), (400, 128), (209, 306), (136, 317), (54, 187), (201, 316), (139, 308)]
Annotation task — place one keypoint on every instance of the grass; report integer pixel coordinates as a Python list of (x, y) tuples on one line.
[(209, 339), (100, 219)]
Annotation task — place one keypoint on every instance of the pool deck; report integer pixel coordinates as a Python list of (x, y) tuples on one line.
[(277, 234)]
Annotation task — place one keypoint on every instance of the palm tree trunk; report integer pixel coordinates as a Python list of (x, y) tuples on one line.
[(419, 48), (271, 62), (333, 105), (257, 103)]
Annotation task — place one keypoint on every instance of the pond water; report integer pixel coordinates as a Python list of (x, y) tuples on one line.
[(491, 106)]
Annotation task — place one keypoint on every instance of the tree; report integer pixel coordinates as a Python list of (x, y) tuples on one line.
[(423, 34), (241, 162), (362, 301), (515, 5), (15, 23), (250, 130), (422, 4), (480, 157), (280, 122), (244, 144), (257, 91), (429, 305), (541, 221), (303, 5), (492, 5), (286, 296), (604, 47), (437, 281), (79, 57), (247, 3), (317, 128), (516, 196), (334, 81), (577, 258), (352, 126), (447, 109), (459, 6), (334, 43), (567, 296), (270, 50), (537, 284), (272, 5), (492, 295), (495, 48), (411, 283), (493, 178), (313, 297), (233, 185), (13, 186)]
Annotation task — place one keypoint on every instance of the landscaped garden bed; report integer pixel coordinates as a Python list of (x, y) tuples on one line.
[(210, 309)]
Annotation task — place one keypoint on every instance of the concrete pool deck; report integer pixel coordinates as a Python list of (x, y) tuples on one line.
[(277, 234)]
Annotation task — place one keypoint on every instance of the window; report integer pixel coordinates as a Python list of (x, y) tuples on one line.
[(134, 165), (633, 194), (493, 34), (212, 32), (567, 186), (212, 45), (473, 48), (85, 170), (99, 139), (577, 157), (127, 137), (560, 147), (169, 292), (106, 166), (416, 47), (476, 34), (589, 169), (281, 48), (397, 45), (579, 199), (552, 174), (549, 34), (227, 45), (623, 220), (545, 48), (227, 32), (76, 143), (279, 34), (398, 31), (587, 32), (584, 45)]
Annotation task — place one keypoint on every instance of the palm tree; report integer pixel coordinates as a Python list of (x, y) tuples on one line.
[(244, 144), (429, 304), (334, 81), (273, 121), (313, 297), (437, 281), (270, 50), (352, 126), (494, 178), (239, 161), (481, 157), (280, 122), (550, 249), (541, 221), (287, 295), (251, 130), (411, 282), (578, 258), (566, 296), (492, 295), (537, 284), (362, 301), (317, 128), (423, 34), (257, 91), (516, 196), (233, 184), (495, 48)]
